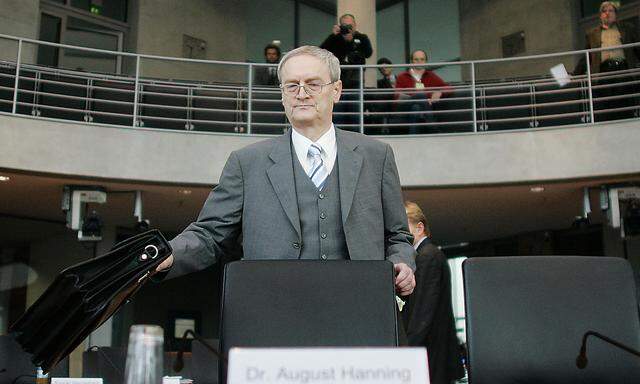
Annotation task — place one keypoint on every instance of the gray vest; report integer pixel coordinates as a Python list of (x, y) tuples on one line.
[(320, 216)]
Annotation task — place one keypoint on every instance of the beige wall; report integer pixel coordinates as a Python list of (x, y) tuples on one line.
[(69, 148), (549, 26), (22, 21), (158, 26)]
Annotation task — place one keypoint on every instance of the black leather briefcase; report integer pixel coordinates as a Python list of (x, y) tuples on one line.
[(85, 295)]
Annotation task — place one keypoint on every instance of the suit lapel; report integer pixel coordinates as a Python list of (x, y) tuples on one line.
[(423, 244), (349, 164), (281, 177)]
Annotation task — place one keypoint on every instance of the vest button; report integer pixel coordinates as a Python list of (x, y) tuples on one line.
[(324, 257), (321, 195), (323, 216), (296, 245), (323, 235)]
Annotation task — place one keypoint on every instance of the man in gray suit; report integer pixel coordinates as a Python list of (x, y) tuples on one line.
[(316, 192)]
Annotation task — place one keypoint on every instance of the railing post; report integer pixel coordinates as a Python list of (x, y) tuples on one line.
[(16, 83), (591, 113), (473, 96), (87, 102), (136, 93), (36, 94), (534, 107), (249, 97), (361, 91), (189, 125)]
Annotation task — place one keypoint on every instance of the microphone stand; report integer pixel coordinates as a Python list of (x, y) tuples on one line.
[(581, 360), (179, 363)]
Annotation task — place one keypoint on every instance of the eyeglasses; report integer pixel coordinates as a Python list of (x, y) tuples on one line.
[(311, 89)]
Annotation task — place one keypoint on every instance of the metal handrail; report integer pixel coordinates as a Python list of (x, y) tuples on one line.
[(584, 92), (247, 64)]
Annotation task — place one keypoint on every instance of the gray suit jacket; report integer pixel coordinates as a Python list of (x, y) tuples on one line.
[(256, 197)]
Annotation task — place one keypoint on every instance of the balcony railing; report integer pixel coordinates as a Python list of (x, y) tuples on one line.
[(140, 100)]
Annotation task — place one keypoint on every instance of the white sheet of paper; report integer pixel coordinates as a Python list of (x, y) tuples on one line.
[(559, 73), (69, 380)]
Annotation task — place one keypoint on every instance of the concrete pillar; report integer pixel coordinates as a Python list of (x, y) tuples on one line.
[(365, 14)]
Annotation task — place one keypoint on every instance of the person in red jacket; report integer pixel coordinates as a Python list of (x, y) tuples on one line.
[(421, 86)]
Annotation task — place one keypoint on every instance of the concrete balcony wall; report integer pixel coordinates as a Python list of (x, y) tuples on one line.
[(160, 156)]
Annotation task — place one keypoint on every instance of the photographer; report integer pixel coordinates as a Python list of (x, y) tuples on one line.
[(350, 47)]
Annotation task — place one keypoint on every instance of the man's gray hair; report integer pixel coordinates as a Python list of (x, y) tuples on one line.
[(608, 3), (325, 56)]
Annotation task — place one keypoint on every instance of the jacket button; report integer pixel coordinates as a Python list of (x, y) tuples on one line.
[(323, 235), (323, 216), (324, 257), (296, 245), (321, 195)]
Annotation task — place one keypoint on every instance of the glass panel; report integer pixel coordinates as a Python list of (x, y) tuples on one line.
[(49, 31), (435, 28), (315, 25), (85, 34), (390, 23), (113, 9), (260, 17)]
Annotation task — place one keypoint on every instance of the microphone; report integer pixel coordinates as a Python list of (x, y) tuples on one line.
[(178, 364), (581, 359)]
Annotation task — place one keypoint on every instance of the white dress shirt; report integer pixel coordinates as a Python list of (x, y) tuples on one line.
[(327, 142), (416, 245)]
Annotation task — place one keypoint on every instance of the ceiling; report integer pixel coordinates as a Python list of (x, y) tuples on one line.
[(30, 206)]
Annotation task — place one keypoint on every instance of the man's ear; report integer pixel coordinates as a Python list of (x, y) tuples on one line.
[(420, 228), (337, 91)]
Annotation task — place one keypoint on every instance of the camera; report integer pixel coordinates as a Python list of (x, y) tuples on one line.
[(346, 29)]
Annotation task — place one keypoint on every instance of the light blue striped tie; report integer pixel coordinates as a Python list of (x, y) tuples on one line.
[(317, 172)]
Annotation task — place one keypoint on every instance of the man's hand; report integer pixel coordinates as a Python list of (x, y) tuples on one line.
[(435, 96), (166, 264), (336, 29), (405, 280)]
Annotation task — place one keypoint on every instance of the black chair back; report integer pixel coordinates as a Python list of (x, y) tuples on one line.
[(526, 317), (204, 363), (307, 303)]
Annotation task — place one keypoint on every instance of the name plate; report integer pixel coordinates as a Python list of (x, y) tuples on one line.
[(69, 380), (328, 365)]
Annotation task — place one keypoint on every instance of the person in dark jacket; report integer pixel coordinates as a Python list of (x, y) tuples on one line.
[(351, 48), (611, 33), (428, 315), (269, 75)]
